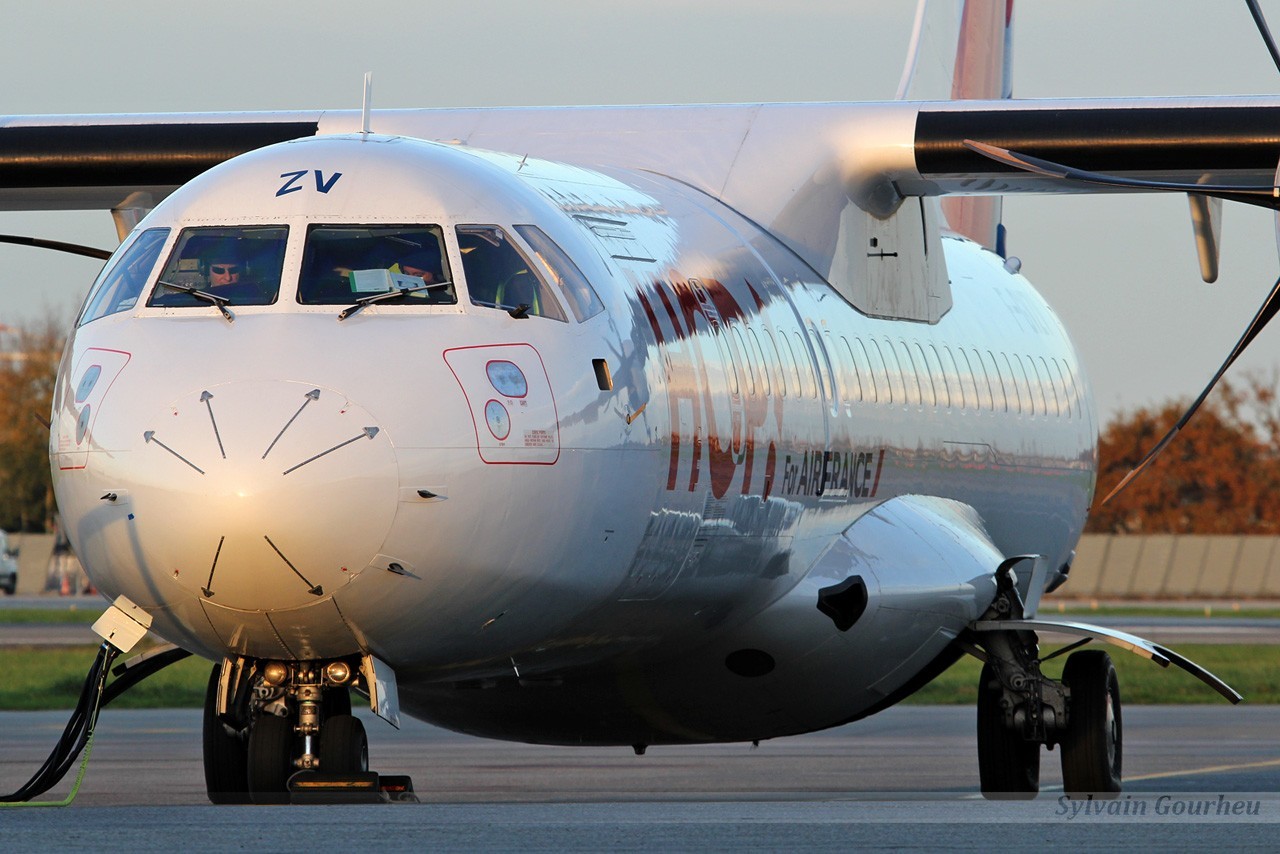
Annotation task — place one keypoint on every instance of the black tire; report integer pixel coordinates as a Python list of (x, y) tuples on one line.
[(336, 701), (226, 753), (1008, 764), (1092, 749), (270, 760), (344, 748)]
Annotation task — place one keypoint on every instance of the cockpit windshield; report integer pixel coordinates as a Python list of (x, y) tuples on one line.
[(498, 276), (122, 280), (239, 264), (345, 264)]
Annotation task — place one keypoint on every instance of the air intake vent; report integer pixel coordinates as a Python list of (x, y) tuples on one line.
[(844, 602)]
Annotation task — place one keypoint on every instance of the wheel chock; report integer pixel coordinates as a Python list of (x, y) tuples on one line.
[(316, 787)]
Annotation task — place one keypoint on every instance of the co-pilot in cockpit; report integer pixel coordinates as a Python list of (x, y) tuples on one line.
[(241, 264), (343, 263)]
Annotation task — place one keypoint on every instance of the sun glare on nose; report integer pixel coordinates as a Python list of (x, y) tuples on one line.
[(263, 495)]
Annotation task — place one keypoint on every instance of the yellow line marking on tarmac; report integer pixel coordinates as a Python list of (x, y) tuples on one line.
[(1212, 769)]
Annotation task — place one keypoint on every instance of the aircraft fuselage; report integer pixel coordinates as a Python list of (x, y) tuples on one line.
[(607, 518)]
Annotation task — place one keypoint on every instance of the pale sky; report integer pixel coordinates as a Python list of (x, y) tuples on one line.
[(1121, 271)]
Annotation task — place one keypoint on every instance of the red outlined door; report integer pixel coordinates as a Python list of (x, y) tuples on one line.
[(512, 407), (91, 378)]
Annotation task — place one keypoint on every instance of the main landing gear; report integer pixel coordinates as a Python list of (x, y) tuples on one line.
[(1020, 709), (266, 721)]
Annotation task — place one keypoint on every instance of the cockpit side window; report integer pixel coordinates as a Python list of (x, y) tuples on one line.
[(343, 263), (582, 298), (240, 263), (121, 282), (498, 276)]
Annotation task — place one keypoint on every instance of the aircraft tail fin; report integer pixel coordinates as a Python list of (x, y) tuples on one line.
[(983, 71)]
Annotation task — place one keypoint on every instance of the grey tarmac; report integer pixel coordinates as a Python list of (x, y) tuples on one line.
[(904, 779)]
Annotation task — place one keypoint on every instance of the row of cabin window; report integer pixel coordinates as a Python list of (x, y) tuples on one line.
[(880, 370)]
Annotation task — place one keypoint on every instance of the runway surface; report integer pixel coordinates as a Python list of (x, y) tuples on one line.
[(906, 779)]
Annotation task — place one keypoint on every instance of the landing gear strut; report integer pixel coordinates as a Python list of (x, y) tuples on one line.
[(264, 721)]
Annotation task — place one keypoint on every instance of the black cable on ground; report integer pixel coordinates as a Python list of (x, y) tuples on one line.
[(76, 734), (79, 730)]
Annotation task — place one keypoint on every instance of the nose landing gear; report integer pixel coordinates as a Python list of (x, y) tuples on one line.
[(271, 725)]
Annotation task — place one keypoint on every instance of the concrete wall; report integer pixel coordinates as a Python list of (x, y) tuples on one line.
[(1164, 566), (33, 561)]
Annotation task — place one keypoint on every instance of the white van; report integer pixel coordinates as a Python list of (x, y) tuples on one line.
[(8, 565)]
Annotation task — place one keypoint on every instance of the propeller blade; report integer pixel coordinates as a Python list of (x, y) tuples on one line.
[(1277, 213), (1256, 11), (57, 246), (1254, 194), (1268, 310)]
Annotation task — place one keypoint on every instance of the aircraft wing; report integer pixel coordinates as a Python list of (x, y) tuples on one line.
[(99, 162), (876, 151), (796, 169)]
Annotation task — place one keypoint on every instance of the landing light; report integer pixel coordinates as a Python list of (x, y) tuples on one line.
[(338, 672), (275, 673)]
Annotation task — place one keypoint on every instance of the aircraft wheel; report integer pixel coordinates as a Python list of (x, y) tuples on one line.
[(1091, 748), (1008, 764), (226, 753), (336, 701), (270, 760), (344, 748)]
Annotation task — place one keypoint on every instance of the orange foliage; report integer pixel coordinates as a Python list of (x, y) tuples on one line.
[(1220, 475), (28, 364)]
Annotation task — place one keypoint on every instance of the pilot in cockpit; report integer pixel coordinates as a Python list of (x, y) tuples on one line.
[(224, 268)]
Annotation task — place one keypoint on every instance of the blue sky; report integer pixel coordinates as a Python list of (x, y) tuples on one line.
[(1120, 270)]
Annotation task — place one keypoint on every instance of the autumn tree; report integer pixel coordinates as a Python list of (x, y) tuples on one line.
[(1221, 474), (28, 365)]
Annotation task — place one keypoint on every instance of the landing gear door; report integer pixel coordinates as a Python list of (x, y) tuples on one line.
[(384, 696)]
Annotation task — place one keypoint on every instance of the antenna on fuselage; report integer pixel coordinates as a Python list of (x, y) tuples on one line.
[(368, 99)]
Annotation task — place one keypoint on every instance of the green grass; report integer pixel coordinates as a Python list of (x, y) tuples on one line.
[(69, 614), (51, 678), (1254, 671)]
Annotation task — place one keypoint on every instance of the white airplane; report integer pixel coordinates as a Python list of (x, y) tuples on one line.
[(613, 426)]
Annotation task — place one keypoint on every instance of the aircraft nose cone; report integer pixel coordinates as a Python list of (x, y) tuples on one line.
[(262, 495)]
